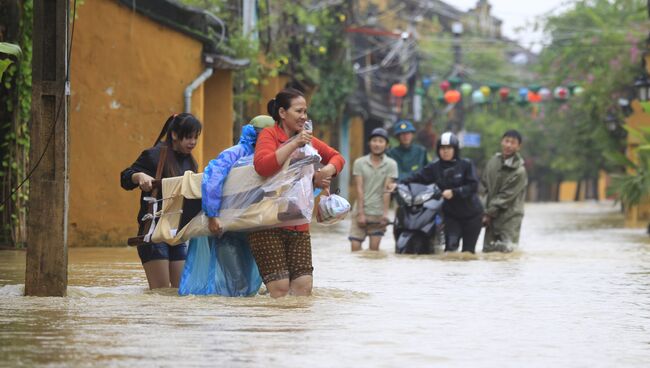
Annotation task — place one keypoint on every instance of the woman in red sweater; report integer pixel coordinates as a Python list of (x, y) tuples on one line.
[(283, 255)]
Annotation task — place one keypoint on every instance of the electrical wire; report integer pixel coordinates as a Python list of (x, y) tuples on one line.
[(58, 112)]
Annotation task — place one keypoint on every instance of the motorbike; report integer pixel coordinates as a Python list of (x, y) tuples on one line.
[(419, 227)]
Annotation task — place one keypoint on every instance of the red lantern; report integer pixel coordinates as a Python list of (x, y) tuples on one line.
[(452, 96), (504, 93), (444, 86), (534, 97), (398, 90)]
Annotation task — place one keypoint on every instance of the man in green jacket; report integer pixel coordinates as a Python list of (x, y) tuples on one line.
[(410, 156), (503, 189)]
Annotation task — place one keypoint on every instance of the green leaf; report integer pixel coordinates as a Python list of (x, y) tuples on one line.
[(11, 49), (4, 64), (620, 159)]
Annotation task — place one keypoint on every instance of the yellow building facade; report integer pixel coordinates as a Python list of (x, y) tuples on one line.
[(128, 75)]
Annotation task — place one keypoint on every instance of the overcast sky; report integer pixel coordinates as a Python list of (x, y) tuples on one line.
[(517, 13)]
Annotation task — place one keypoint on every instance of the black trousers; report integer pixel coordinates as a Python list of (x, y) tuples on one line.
[(467, 229)]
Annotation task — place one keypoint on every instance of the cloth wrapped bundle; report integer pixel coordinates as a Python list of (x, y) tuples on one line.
[(250, 202)]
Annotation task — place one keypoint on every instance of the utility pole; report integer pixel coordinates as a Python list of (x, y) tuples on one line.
[(47, 249), (459, 113)]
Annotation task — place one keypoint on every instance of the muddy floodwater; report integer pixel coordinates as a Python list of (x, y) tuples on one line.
[(577, 294)]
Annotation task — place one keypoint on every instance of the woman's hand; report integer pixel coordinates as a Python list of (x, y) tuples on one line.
[(143, 180), (448, 194), (322, 179), (303, 137), (215, 225)]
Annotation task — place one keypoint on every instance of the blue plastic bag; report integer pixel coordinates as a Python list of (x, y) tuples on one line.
[(223, 266)]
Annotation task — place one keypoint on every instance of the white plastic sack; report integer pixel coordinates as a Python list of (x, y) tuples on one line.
[(332, 209)]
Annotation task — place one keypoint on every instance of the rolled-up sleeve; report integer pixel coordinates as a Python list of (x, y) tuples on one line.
[(329, 155)]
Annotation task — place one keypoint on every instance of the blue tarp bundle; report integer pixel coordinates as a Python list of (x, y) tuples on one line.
[(223, 266)]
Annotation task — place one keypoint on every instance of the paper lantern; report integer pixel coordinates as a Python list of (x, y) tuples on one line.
[(485, 90), (535, 88), (534, 97), (398, 90), (466, 89), (426, 83), (523, 93), (454, 82), (504, 92), (545, 93), (577, 91), (494, 87), (444, 85), (452, 96), (561, 93), (478, 97)]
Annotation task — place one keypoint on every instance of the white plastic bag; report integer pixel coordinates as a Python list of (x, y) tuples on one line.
[(332, 209)]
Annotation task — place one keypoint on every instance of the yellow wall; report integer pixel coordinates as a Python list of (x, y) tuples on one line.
[(603, 183), (269, 89), (637, 215), (128, 75), (218, 115), (568, 191)]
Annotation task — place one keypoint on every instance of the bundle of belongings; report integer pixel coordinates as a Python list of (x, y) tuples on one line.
[(249, 202), (332, 209)]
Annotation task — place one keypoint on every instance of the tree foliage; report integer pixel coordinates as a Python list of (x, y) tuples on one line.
[(630, 188), (14, 125), (595, 44), (299, 39)]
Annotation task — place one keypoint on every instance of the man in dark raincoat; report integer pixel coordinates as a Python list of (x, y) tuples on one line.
[(410, 157), (503, 189)]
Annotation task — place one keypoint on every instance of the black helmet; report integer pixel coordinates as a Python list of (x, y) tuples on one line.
[(448, 139), (379, 132)]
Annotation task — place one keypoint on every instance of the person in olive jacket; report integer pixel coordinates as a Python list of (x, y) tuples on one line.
[(410, 157), (456, 178), (503, 187)]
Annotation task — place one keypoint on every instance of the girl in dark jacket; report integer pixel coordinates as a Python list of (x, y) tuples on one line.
[(163, 264), (457, 179)]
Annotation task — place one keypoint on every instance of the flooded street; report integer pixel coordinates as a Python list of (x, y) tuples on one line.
[(577, 294)]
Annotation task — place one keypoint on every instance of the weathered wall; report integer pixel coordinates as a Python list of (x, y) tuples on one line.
[(128, 75)]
